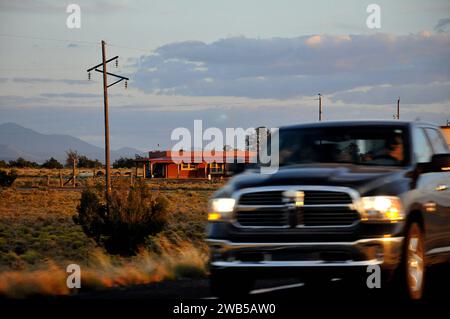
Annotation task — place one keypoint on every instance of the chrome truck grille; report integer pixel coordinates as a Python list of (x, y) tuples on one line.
[(268, 207)]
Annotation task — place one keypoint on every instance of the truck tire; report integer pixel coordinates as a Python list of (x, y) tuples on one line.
[(414, 262), (409, 280)]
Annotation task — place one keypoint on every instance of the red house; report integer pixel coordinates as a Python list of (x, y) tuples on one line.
[(196, 164)]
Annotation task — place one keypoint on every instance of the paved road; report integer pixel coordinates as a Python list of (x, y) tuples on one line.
[(290, 288)]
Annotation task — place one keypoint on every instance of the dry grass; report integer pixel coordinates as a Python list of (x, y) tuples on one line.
[(38, 239), (36, 226), (43, 178), (103, 271)]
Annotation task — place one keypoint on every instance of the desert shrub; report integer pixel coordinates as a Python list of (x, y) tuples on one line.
[(31, 256), (124, 162), (23, 163), (91, 214), (20, 247), (7, 179), (132, 216), (52, 163), (85, 162)]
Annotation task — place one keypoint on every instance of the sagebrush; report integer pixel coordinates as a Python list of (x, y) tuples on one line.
[(122, 226)]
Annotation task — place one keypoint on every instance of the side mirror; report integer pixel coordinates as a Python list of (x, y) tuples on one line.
[(440, 163)]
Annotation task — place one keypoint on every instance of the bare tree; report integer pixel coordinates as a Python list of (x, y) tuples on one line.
[(72, 160)]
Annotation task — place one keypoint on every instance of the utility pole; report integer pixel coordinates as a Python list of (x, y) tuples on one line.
[(259, 131), (398, 108), (320, 107), (106, 110)]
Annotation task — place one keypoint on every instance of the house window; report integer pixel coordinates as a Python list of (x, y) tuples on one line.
[(216, 168), (188, 167)]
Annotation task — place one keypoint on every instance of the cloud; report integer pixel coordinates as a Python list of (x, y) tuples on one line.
[(442, 25), (283, 68), (313, 41), (15, 100)]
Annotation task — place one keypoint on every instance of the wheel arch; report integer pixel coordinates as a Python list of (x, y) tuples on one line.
[(416, 215)]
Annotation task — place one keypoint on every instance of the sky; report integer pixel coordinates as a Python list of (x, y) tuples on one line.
[(229, 63)]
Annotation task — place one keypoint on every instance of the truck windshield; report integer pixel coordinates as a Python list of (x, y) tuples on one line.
[(383, 146)]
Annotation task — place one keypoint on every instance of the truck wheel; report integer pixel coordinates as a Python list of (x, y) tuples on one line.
[(409, 278), (414, 262), (230, 286)]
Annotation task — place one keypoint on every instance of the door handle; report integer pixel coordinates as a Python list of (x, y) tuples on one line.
[(441, 187)]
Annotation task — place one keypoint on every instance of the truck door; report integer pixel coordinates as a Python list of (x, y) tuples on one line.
[(440, 187), (425, 193)]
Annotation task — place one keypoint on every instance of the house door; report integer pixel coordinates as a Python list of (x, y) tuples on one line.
[(159, 170)]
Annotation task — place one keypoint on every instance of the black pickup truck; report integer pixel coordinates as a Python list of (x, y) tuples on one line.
[(347, 196)]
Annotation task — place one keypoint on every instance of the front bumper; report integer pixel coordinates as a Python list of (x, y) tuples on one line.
[(334, 256)]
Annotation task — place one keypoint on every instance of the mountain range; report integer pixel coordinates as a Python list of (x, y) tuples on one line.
[(18, 141)]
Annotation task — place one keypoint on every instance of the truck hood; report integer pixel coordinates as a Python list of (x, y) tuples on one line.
[(364, 179)]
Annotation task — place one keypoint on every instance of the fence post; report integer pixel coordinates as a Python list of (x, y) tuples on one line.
[(74, 165)]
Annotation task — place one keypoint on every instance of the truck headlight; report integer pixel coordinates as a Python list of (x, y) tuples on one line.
[(381, 208), (221, 208)]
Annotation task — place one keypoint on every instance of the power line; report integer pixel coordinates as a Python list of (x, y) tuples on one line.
[(90, 43), (46, 39), (46, 68), (71, 41)]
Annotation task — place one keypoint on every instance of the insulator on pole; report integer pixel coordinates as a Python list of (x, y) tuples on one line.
[(126, 84), (117, 63), (89, 76)]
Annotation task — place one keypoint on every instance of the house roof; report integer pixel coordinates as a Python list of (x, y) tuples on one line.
[(198, 156)]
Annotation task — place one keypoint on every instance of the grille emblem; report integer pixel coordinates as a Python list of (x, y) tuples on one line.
[(296, 197)]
